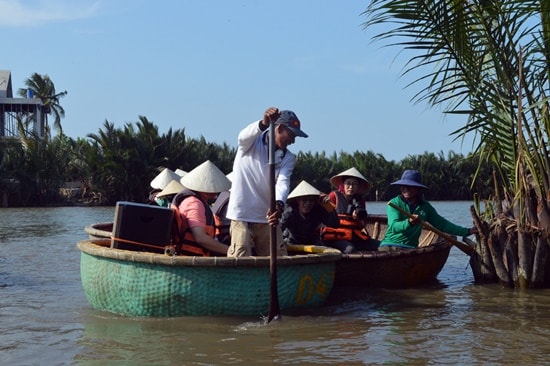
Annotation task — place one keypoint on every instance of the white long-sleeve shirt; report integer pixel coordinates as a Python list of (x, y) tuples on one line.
[(250, 192)]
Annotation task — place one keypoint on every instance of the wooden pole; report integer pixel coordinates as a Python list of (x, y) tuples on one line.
[(274, 310)]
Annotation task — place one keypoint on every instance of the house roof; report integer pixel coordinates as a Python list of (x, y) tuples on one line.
[(5, 84)]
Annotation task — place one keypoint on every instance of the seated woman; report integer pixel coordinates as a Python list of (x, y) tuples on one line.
[(404, 231), (349, 199), (194, 231), (306, 211)]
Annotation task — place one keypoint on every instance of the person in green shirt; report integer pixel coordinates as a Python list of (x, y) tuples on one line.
[(404, 231)]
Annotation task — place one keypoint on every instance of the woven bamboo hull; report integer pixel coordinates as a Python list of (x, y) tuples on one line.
[(148, 284), (399, 269), (100, 230)]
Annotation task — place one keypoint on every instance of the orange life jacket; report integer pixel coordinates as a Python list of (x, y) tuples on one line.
[(182, 237), (348, 227)]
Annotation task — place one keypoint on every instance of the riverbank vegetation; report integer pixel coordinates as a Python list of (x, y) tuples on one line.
[(118, 163)]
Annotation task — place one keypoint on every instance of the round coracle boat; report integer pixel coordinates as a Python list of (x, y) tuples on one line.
[(137, 283)]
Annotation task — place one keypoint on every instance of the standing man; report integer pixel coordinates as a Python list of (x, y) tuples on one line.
[(249, 203)]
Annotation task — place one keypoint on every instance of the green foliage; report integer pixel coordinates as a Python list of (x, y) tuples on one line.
[(119, 163), (488, 60), (44, 89), (122, 162), (38, 165)]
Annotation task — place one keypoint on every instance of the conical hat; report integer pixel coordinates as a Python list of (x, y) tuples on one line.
[(338, 179), (303, 189), (174, 187), (163, 178), (180, 172), (206, 178), (230, 177)]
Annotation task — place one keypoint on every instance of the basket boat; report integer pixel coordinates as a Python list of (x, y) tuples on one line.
[(397, 269), (136, 283)]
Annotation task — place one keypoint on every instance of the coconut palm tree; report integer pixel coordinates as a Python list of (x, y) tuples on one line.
[(489, 60), (44, 89)]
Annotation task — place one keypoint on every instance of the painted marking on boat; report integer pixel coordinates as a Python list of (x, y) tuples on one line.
[(308, 287)]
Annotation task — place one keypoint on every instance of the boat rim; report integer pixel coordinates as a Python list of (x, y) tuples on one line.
[(98, 248), (405, 252)]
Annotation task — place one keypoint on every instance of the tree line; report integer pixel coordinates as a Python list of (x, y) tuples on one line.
[(118, 163)]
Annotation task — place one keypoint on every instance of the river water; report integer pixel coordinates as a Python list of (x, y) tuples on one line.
[(45, 318)]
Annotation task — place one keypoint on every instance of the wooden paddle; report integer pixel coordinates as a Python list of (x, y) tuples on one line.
[(460, 245), (274, 310)]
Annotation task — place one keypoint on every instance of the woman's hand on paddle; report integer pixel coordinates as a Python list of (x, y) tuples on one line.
[(414, 220), (270, 114)]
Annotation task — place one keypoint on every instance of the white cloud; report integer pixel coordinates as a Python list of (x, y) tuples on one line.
[(21, 13)]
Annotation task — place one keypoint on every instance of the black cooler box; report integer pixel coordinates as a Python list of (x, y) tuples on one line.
[(141, 227)]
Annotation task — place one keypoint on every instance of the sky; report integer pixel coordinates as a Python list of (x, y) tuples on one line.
[(212, 67)]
